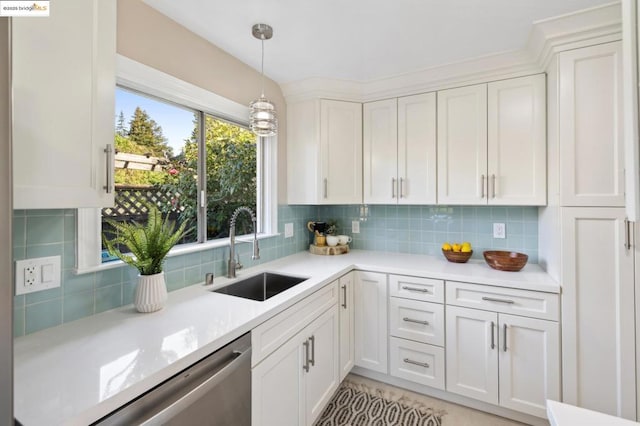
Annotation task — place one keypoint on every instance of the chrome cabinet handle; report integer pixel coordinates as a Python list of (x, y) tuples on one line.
[(325, 188), (421, 290), (493, 186), (504, 341), (491, 299), (110, 165), (393, 187), (481, 186), (305, 367), (627, 234), (493, 340), (421, 364), (415, 321), (344, 296), (313, 350), (401, 187)]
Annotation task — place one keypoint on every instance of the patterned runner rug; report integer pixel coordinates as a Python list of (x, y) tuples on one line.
[(356, 404)]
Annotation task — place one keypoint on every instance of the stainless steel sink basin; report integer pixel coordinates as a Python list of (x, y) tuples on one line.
[(261, 287)]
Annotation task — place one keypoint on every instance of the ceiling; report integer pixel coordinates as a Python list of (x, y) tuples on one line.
[(364, 40)]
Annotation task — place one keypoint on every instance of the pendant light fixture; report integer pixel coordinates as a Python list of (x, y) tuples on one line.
[(262, 116)]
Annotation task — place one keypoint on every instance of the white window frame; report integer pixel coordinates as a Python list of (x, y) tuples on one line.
[(140, 77)]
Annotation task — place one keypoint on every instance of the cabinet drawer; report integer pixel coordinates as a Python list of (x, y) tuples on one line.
[(415, 320), (508, 300), (417, 362), (417, 288), (271, 334)]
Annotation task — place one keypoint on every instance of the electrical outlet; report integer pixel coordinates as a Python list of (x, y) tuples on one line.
[(37, 274), (288, 230), (29, 275), (499, 230), (355, 227)]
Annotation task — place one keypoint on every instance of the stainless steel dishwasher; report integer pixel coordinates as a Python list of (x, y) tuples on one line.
[(215, 391)]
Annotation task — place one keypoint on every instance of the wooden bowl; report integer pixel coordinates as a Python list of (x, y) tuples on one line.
[(457, 256), (505, 260)]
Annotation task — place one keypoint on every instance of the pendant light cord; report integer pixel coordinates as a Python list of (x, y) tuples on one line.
[(262, 65)]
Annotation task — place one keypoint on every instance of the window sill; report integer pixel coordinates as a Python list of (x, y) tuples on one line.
[(177, 251)]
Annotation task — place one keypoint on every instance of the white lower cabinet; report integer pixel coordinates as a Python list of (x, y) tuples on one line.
[(347, 330), (416, 329), (503, 359), (293, 384), (321, 376), (277, 388), (472, 359), (371, 334), (417, 362), (529, 363)]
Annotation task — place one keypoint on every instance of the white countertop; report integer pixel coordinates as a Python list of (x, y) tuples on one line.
[(78, 372), (561, 414)]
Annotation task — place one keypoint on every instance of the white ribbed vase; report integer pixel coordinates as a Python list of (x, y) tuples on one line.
[(151, 293)]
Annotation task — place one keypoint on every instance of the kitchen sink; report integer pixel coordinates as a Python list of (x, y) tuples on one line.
[(261, 287)]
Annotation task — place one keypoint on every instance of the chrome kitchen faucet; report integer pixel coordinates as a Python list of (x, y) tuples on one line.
[(232, 264)]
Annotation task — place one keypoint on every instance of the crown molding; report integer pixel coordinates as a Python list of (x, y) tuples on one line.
[(583, 28), (586, 27)]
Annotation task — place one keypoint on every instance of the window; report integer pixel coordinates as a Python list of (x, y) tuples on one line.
[(188, 151)]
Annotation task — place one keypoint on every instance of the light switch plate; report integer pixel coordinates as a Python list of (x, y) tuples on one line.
[(288, 230), (355, 227), (499, 230), (41, 273)]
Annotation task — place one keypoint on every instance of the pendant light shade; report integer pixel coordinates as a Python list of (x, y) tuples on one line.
[(262, 116)]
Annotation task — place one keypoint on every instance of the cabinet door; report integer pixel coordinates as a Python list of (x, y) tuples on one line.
[(597, 311), (529, 363), (347, 340), (63, 84), (341, 152), (590, 119), (323, 377), (371, 321), (380, 152), (304, 171), (517, 154), (417, 149), (462, 145), (277, 386), (472, 353)]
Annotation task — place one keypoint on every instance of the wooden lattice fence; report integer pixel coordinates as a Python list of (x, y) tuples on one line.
[(131, 203)]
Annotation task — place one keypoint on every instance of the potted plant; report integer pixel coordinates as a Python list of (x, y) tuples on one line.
[(149, 244)]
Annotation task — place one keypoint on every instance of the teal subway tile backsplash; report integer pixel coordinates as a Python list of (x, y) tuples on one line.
[(423, 229), (38, 233), (406, 229)]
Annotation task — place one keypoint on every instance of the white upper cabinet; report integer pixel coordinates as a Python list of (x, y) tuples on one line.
[(517, 154), (492, 143), (63, 106), (417, 149), (590, 126), (324, 152), (462, 145), (380, 152), (400, 150)]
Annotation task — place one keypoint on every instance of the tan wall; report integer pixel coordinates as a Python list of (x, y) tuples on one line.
[(6, 213), (151, 38)]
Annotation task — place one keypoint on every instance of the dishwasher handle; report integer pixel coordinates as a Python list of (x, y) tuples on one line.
[(179, 405)]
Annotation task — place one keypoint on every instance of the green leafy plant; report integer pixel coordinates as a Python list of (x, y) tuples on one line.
[(332, 228), (149, 243)]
